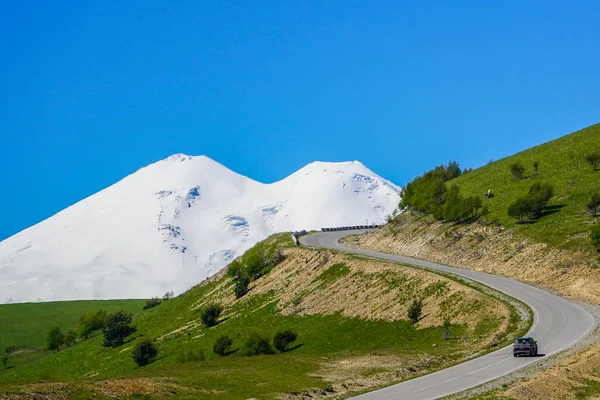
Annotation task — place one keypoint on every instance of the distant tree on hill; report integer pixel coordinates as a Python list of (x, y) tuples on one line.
[(54, 339), (594, 159), (151, 303), (210, 314), (10, 349), (536, 166), (144, 352), (283, 339), (452, 170), (517, 169), (414, 311), (594, 205), (532, 205), (458, 208), (223, 345), (91, 323), (241, 286), (117, 328), (168, 295), (70, 337)]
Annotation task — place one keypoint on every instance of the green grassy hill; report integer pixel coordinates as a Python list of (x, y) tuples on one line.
[(332, 346), (26, 325), (561, 163)]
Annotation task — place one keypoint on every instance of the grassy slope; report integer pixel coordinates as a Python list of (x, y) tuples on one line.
[(26, 325), (562, 164), (331, 336)]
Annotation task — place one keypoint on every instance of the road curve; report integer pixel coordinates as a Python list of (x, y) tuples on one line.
[(558, 324)]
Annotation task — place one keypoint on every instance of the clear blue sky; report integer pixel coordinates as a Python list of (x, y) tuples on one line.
[(93, 90)]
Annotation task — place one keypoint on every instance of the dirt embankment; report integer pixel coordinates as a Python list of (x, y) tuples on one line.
[(500, 251), (491, 249)]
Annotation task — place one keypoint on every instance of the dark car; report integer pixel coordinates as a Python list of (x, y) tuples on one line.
[(525, 346)]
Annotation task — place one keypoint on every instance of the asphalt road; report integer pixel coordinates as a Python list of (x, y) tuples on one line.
[(558, 324)]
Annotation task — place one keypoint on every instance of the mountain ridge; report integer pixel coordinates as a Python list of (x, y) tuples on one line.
[(175, 222)]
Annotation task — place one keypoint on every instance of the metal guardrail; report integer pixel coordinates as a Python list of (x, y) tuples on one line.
[(351, 228)]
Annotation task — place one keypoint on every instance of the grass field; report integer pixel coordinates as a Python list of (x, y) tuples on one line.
[(561, 163), (26, 325)]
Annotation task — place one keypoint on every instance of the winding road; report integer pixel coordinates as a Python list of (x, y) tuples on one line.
[(558, 324)]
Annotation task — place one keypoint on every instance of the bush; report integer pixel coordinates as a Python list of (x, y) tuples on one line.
[(70, 337), (222, 345), (521, 209), (168, 295), (118, 327), (414, 311), (241, 286), (517, 170), (283, 339), (594, 205), (190, 355), (54, 339), (536, 166), (256, 345), (595, 237), (91, 323), (532, 205), (210, 314), (236, 269), (10, 349), (144, 352), (594, 159), (458, 208), (151, 303)]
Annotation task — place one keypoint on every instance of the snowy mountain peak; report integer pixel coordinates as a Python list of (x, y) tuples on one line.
[(176, 222)]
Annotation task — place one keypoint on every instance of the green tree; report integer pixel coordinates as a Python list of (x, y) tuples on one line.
[(414, 311), (539, 195), (236, 269), (241, 286), (283, 339), (90, 323), (458, 208), (222, 345), (594, 205), (70, 337), (536, 166), (144, 352), (452, 170), (210, 314), (517, 169), (54, 339), (594, 159), (151, 303), (118, 327), (11, 348), (522, 209), (595, 237)]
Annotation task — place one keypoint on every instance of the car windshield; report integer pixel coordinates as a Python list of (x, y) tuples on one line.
[(522, 341)]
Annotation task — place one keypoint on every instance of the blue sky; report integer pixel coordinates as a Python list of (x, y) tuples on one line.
[(92, 91)]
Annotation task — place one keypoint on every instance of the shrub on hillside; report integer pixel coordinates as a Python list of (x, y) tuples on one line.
[(210, 314), (260, 259), (595, 237), (594, 159), (223, 345), (118, 327), (241, 286), (283, 339), (517, 170), (54, 339), (236, 269), (257, 344), (151, 303), (532, 205), (536, 166), (168, 295), (144, 352), (11, 348), (594, 205), (414, 311), (458, 208), (70, 337), (91, 323)]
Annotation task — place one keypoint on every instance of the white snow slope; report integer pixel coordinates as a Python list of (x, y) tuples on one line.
[(176, 222)]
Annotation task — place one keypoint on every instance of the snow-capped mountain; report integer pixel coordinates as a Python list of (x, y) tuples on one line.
[(176, 222)]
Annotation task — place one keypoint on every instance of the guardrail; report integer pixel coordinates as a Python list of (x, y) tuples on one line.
[(351, 228), (296, 235)]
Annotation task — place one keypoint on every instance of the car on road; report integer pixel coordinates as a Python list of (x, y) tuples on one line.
[(525, 346)]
